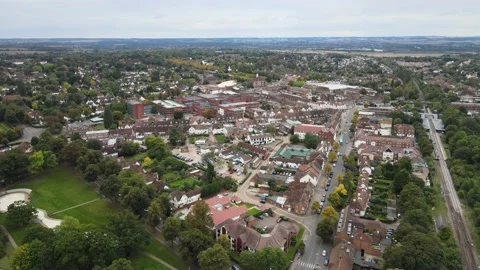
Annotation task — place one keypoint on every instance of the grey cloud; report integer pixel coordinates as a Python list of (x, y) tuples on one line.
[(247, 18)]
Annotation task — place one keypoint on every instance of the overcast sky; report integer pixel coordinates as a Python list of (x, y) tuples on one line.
[(229, 18)]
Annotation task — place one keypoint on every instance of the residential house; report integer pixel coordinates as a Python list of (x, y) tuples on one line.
[(262, 153), (221, 209), (243, 238), (180, 199), (403, 130), (260, 139), (198, 130), (298, 197), (359, 203)]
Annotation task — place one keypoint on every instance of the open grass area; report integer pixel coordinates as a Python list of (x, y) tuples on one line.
[(138, 157), (93, 213), (253, 211), (99, 127), (141, 261), (179, 183), (220, 138), (57, 189), (5, 261), (170, 176), (162, 252)]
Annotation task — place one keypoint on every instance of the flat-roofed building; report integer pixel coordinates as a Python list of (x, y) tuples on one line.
[(168, 107)]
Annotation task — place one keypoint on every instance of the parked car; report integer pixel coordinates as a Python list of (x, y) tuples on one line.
[(326, 262), (324, 253)]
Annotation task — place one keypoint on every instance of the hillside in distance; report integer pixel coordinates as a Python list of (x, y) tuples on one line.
[(417, 44)]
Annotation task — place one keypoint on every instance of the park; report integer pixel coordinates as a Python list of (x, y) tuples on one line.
[(59, 193)]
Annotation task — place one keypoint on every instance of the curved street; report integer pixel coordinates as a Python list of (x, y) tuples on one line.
[(313, 244)]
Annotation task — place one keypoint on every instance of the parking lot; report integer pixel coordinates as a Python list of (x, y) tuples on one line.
[(268, 222)]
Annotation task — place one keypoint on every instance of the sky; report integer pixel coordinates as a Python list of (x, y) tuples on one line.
[(230, 18)]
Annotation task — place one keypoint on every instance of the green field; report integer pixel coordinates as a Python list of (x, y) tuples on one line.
[(179, 183), (160, 251), (59, 189), (5, 261), (253, 211), (140, 262), (138, 157), (220, 138)]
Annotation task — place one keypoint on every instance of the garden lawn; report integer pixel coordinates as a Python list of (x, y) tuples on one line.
[(179, 183), (253, 211), (220, 138), (57, 189), (160, 251), (170, 176), (100, 127), (138, 157)]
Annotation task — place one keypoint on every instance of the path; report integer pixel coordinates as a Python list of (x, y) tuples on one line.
[(153, 257), (10, 238), (78, 205)]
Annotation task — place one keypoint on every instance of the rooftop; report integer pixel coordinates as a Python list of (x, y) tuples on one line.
[(168, 104)]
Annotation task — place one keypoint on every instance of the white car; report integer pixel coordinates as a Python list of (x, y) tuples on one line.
[(324, 253)]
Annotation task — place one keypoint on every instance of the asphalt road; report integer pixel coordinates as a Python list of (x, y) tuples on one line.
[(455, 210), (312, 258)]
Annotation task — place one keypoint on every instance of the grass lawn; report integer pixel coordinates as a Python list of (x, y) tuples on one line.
[(220, 138), (4, 127), (248, 205), (170, 176), (5, 261), (293, 250), (253, 211), (93, 213), (160, 251), (57, 189), (141, 261), (138, 157), (179, 183), (99, 127)]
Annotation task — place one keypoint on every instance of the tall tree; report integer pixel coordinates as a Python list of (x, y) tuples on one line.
[(120, 264), (172, 228), (192, 242), (325, 229), (329, 213), (107, 117), (311, 141), (198, 217), (334, 199), (35, 162), (210, 174), (20, 214), (214, 258), (129, 231), (110, 188), (30, 256), (153, 216), (13, 164), (265, 259)]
